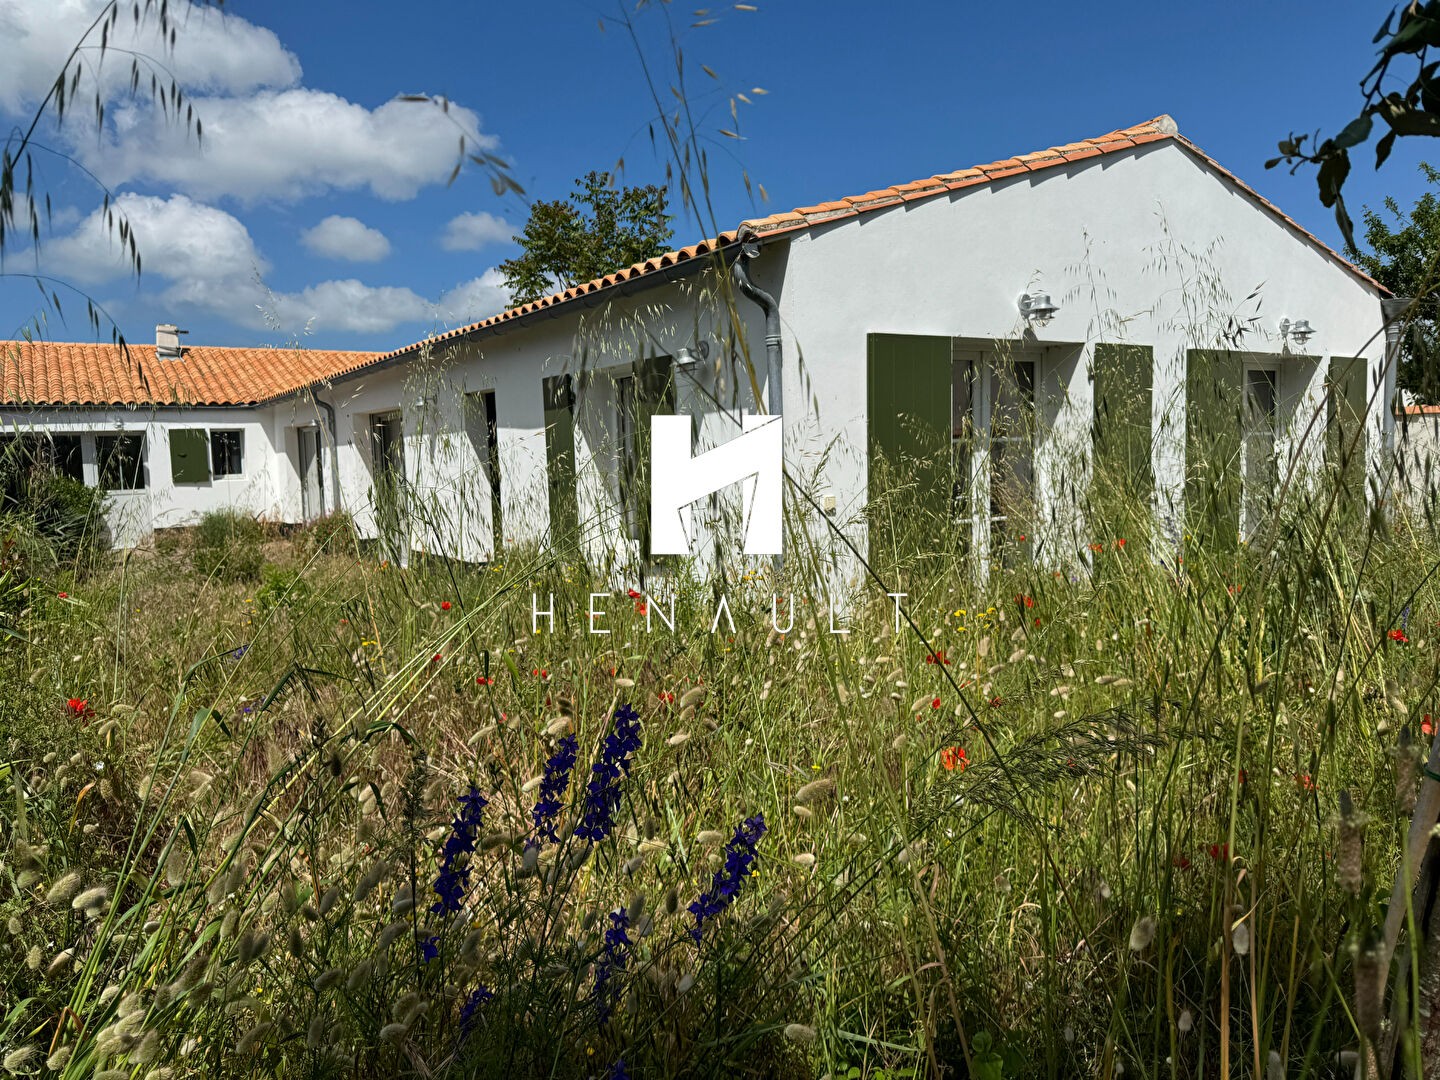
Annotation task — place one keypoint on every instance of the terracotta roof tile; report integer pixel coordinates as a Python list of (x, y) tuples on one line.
[(789, 221), (56, 373)]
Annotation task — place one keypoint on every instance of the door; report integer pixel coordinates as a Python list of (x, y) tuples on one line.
[(312, 474), (1261, 472), (387, 447)]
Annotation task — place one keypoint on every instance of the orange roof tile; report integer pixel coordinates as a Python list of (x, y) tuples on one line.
[(806, 217), (54, 373), (58, 374)]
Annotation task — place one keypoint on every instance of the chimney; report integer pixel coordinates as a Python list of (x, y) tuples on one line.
[(167, 341)]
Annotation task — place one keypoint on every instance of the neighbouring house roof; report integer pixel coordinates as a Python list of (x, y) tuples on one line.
[(1160, 129), (54, 373)]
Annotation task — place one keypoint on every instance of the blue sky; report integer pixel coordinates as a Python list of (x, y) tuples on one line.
[(313, 182)]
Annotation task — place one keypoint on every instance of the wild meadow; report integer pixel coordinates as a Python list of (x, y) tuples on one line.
[(274, 805)]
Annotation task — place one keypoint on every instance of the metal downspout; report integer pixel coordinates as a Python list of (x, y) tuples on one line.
[(774, 360)]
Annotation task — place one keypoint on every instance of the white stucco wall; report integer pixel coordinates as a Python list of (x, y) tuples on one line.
[(162, 503), (1150, 246)]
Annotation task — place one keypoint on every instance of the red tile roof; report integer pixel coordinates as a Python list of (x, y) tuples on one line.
[(64, 374), (53, 373), (1159, 129)]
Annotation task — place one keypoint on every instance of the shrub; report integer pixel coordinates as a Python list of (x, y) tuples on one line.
[(330, 533), (227, 546), (59, 512)]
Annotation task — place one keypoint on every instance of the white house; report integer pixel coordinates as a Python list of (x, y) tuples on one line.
[(995, 336)]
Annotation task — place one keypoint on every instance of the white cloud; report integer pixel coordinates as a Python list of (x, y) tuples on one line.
[(205, 260), (346, 238), (180, 240), (214, 52), (474, 300), (265, 135), (471, 232), (286, 144)]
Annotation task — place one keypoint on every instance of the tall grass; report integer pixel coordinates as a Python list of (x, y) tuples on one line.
[(1164, 849)]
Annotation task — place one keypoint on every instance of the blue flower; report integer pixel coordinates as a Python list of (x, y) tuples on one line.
[(452, 881), (552, 787), (430, 949), (725, 885), (602, 794), (618, 1071), (472, 1005), (612, 959)]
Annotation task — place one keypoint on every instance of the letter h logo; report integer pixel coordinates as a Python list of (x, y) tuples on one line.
[(678, 478)]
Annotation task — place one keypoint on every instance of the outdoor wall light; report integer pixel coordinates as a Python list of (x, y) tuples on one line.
[(1038, 307), (1300, 330)]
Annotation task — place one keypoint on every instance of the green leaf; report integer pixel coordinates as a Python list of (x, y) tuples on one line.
[(1333, 171), (1383, 148), (1355, 132)]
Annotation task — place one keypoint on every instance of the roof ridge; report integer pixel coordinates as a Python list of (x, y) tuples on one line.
[(1152, 130)]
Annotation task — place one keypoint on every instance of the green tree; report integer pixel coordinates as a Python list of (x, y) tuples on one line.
[(1400, 250), (1400, 90), (594, 232)]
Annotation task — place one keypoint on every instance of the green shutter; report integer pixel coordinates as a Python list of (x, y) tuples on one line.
[(1345, 400), (654, 395), (189, 456), (560, 459), (908, 419), (1123, 435), (1214, 419)]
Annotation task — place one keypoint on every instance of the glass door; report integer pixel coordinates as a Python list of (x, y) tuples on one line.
[(312, 474), (1259, 466)]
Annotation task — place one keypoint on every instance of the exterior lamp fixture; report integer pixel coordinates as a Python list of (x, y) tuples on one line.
[(1300, 331), (1038, 308)]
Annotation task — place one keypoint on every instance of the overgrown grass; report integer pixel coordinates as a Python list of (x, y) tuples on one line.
[(231, 803)]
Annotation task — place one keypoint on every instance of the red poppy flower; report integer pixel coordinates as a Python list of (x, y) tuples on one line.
[(937, 657), (1242, 776), (444, 605), (1037, 620), (1427, 726), (78, 706), (935, 703), (1097, 548), (484, 680), (667, 696), (436, 658), (1304, 781), (632, 594), (540, 673), (1180, 862), (996, 702), (642, 609), (1399, 635), (952, 757), (1120, 543), (1219, 852), (63, 595)]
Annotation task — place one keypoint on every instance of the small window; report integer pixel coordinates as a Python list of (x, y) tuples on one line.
[(122, 461), (227, 453), (189, 456)]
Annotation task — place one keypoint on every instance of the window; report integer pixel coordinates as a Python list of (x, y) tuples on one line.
[(227, 453), (625, 418), (1012, 445), (189, 456), (122, 461), (1258, 448), (66, 457), (483, 431)]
